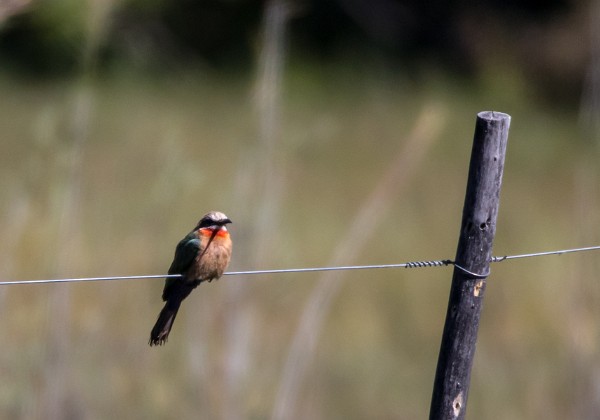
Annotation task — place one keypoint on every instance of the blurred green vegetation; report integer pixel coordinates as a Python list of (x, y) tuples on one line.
[(102, 173)]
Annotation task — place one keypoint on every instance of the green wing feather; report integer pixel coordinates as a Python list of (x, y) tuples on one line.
[(185, 253)]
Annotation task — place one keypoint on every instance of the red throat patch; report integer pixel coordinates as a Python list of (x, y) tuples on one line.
[(208, 232)]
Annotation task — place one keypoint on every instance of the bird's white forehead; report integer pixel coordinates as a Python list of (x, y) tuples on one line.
[(216, 216)]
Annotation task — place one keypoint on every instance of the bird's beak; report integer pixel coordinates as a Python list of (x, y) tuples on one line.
[(226, 221)]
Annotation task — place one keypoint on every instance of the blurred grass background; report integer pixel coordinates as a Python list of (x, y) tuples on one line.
[(328, 135)]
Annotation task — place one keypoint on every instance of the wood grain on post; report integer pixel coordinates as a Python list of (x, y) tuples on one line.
[(451, 385)]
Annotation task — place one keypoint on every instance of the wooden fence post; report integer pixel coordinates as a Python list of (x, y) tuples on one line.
[(453, 373)]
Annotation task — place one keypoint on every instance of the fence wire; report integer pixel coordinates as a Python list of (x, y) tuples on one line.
[(412, 264)]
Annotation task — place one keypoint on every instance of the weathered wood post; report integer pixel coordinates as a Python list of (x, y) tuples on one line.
[(453, 373)]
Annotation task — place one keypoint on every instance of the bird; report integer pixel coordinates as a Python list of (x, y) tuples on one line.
[(203, 255)]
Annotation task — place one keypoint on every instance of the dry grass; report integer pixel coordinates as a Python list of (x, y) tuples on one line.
[(159, 153)]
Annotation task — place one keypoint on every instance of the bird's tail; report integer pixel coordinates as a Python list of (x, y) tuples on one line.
[(163, 325)]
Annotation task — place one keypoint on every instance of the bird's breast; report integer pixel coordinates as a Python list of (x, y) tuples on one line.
[(211, 263)]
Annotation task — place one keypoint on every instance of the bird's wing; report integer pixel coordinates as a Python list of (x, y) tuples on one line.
[(185, 253)]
